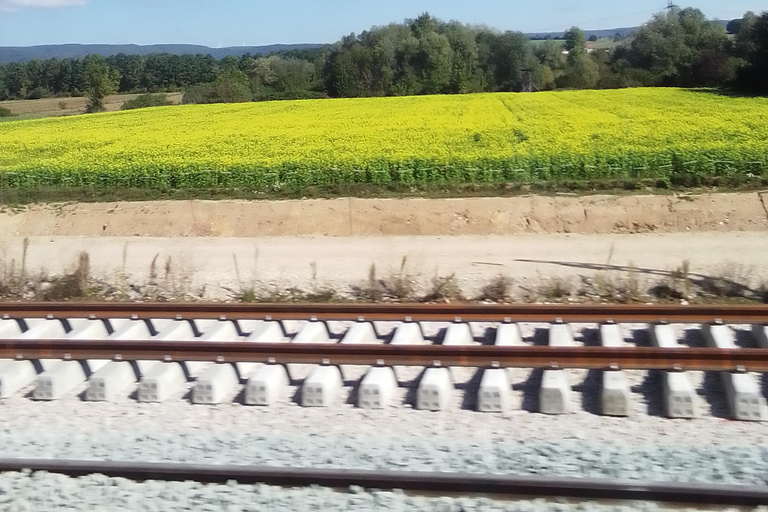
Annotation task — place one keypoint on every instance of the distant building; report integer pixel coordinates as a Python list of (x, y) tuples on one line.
[(590, 49)]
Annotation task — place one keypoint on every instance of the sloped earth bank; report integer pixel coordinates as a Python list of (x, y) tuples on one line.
[(401, 217)]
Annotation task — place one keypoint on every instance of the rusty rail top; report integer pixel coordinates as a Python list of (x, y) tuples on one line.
[(446, 483), (742, 359), (590, 313)]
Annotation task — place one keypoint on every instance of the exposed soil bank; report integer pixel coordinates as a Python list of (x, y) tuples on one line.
[(398, 217)]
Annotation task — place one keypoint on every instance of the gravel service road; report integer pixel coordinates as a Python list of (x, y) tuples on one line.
[(222, 267)]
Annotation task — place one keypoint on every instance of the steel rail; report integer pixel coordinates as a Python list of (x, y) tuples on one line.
[(446, 483), (646, 358), (634, 313)]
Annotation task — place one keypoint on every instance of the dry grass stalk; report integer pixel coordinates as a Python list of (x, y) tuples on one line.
[(444, 289), (499, 289)]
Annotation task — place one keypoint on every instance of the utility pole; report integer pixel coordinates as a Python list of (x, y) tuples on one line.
[(670, 5)]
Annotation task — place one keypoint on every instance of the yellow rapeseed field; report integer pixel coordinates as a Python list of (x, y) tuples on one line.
[(630, 133)]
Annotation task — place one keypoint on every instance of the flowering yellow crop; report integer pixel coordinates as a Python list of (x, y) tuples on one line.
[(628, 133)]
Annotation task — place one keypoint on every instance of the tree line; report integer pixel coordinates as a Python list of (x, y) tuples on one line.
[(680, 47), (290, 74)]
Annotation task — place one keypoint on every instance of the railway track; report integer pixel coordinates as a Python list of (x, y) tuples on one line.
[(583, 313), (414, 481), (604, 358), (219, 346), (72, 347)]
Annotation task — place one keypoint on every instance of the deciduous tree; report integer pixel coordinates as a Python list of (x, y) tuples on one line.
[(100, 81)]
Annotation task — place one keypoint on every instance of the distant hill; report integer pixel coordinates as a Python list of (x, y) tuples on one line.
[(605, 32), (66, 51)]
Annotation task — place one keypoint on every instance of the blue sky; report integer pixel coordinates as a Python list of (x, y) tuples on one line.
[(257, 22)]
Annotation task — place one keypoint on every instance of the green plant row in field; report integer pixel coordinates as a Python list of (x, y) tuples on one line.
[(675, 170)]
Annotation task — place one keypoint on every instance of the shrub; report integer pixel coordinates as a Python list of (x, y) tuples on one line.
[(146, 100), (202, 93), (230, 87), (4, 112), (38, 93)]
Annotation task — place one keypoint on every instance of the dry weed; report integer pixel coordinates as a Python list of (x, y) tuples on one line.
[(555, 288), (247, 291), (371, 290), (497, 290), (732, 281), (677, 285), (400, 285), (444, 289), (72, 286)]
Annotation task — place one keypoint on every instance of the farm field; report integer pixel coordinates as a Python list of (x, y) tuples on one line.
[(675, 135), (56, 107)]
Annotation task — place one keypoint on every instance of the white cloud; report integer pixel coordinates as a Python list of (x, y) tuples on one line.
[(14, 5)]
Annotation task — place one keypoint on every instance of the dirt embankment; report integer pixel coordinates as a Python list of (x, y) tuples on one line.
[(400, 217)]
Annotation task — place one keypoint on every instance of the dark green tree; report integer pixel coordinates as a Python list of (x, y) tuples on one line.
[(550, 54), (406, 79), (51, 76), (340, 74), (464, 69), (16, 80), (3, 86), (131, 69), (582, 73), (276, 77), (733, 26), (229, 62), (674, 46), (433, 61), (204, 69), (100, 81), (544, 78), (509, 55), (35, 74), (746, 40), (232, 87), (423, 25), (753, 77), (575, 43), (77, 83), (62, 81)]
